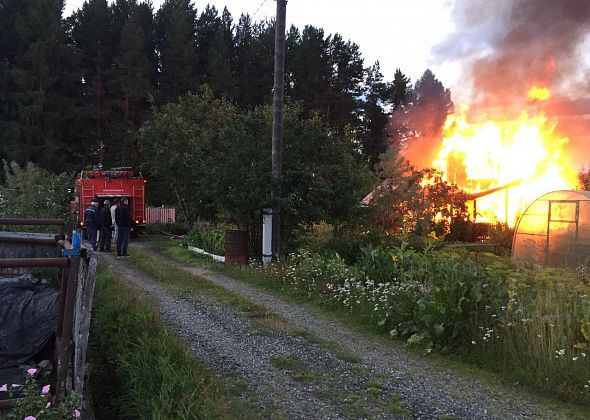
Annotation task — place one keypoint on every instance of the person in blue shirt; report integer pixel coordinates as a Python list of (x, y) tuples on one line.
[(92, 222)]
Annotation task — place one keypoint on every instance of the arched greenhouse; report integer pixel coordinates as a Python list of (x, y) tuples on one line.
[(555, 230)]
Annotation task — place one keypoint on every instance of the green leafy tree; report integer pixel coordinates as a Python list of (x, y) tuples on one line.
[(177, 142), (33, 192), (217, 163), (323, 178)]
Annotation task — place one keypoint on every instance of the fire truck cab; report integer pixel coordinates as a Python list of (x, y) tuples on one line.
[(107, 185)]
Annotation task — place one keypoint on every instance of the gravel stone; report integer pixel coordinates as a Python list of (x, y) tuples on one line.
[(406, 385)]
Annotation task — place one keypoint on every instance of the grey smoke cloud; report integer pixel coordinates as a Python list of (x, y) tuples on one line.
[(508, 45)]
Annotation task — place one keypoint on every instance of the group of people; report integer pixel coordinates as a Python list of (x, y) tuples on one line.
[(112, 220)]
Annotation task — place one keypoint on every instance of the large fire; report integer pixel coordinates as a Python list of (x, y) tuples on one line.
[(504, 164)]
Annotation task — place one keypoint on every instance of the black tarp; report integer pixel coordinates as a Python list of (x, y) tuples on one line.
[(28, 318)]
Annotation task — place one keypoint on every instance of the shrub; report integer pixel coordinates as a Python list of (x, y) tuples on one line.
[(208, 237), (532, 324)]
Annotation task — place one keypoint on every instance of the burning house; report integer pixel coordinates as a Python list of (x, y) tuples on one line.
[(526, 131)]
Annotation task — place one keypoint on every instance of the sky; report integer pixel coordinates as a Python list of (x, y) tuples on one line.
[(397, 33), (473, 46)]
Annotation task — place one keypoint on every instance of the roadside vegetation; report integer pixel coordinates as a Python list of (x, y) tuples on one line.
[(530, 324), (138, 368)]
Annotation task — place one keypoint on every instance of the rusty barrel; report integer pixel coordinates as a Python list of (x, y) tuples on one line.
[(236, 247)]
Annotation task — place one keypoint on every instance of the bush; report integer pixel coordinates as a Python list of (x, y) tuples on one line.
[(32, 192), (209, 238), (532, 324)]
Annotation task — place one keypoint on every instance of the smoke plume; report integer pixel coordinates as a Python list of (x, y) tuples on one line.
[(511, 45)]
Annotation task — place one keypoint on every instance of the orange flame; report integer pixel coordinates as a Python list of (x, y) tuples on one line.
[(525, 155)]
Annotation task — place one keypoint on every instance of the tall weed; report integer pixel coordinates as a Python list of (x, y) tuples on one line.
[(138, 368)]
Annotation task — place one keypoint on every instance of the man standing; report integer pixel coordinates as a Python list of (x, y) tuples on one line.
[(113, 209), (124, 223), (92, 221), (106, 227)]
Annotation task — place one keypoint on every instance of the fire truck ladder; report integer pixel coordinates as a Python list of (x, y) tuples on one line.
[(138, 200), (87, 195)]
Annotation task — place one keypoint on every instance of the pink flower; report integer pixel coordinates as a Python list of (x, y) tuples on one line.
[(45, 389), (4, 388), (31, 371), (15, 385), (48, 405), (30, 418), (76, 414)]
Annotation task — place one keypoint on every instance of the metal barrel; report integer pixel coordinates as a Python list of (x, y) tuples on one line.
[(236, 247)]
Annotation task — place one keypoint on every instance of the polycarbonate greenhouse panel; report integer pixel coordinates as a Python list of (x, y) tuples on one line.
[(555, 230)]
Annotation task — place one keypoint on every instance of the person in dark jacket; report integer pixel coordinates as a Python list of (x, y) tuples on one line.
[(124, 223), (92, 222), (106, 227)]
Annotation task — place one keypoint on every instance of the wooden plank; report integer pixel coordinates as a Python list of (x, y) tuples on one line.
[(64, 344), (58, 262), (82, 316)]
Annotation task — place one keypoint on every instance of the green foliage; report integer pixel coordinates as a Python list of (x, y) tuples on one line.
[(32, 192), (141, 370), (501, 234), (207, 237), (217, 163), (190, 130), (532, 324)]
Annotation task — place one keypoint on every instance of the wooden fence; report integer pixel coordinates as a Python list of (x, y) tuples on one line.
[(77, 279), (160, 215)]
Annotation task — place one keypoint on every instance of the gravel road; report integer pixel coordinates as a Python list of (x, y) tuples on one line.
[(383, 381)]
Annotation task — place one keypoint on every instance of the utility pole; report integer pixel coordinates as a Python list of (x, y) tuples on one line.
[(278, 101)]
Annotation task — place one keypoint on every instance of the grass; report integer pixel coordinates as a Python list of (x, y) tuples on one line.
[(518, 371), (262, 280), (197, 288), (138, 368), (295, 366), (186, 283)]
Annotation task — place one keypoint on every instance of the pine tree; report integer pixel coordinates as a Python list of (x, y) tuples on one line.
[(93, 38), (434, 102), (215, 51), (374, 116), (399, 90), (37, 85), (134, 73), (176, 45)]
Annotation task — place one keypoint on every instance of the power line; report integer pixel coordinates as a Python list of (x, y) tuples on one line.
[(259, 7)]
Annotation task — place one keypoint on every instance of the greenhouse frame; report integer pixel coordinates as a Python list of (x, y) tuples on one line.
[(555, 230)]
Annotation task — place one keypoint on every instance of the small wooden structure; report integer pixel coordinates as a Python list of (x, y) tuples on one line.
[(77, 268)]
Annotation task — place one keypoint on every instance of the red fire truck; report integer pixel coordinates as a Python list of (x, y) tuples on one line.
[(107, 185)]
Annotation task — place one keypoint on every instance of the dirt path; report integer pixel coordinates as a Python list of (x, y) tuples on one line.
[(299, 378)]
